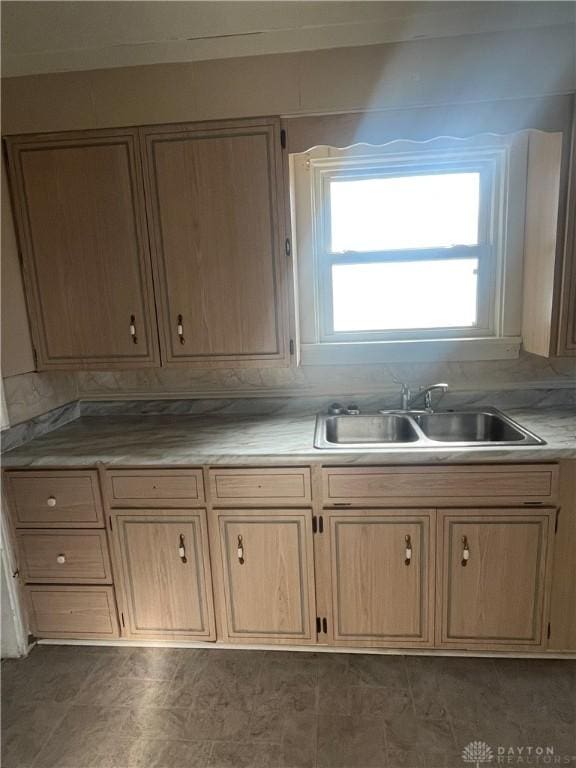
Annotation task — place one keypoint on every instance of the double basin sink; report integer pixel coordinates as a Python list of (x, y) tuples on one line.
[(421, 429)]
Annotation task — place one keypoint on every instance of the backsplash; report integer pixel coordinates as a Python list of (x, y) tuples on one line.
[(32, 394), (527, 372)]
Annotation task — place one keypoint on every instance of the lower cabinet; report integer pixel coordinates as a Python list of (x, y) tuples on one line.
[(79, 612), (494, 577), (382, 577), (163, 566), (267, 575)]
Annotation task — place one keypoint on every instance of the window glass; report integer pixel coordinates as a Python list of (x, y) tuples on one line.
[(404, 295), (404, 212)]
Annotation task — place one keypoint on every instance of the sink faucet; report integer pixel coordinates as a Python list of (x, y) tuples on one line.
[(407, 401)]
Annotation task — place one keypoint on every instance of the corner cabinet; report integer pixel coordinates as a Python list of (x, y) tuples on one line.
[(163, 562), (215, 205), (79, 204)]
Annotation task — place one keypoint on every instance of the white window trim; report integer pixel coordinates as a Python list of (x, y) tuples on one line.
[(498, 335)]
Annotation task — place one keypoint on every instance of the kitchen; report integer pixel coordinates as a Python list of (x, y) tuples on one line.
[(288, 359)]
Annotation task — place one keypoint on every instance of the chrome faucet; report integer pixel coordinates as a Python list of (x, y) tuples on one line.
[(425, 392)]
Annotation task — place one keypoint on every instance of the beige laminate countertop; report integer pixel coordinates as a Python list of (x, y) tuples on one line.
[(170, 440)]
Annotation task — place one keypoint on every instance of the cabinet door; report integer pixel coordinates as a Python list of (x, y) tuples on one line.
[(493, 570), (213, 196), (164, 564), (382, 577), (80, 211), (268, 575)]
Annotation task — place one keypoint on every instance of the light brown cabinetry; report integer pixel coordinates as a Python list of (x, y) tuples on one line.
[(563, 599), (272, 487), (485, 485), (65, 556), (81, 219), (72, 612), (54, 498), (155, 488), (163, 563), (214, 197), (382, 577), (63, 553), (494, 570), (268, 575)]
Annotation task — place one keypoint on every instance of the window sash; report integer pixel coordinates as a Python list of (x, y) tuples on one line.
[(325, 258)]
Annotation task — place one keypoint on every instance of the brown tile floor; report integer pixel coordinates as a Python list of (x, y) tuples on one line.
[(72, 707)]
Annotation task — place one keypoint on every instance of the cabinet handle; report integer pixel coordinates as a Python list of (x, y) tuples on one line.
[(240, 551), (182, 548), (180, 329), (61, 559), (465, 552), (133, 329), (51, 501), (408, 551)]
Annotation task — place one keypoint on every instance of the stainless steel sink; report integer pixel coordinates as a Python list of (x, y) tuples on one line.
[(374, 428), (483, 427), (411, 429)]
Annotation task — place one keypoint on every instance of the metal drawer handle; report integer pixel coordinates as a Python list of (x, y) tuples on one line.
[(408, 550), (465, 552), (240, 550), (182, 549), (180, 329), (61, 559), (51, 501), (133, 329)]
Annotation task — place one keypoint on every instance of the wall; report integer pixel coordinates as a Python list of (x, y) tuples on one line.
[(436, 71), (423, 72)]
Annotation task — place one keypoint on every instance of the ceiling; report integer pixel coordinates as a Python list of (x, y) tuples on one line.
[(44, 36)]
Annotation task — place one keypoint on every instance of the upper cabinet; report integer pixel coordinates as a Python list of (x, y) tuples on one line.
[(81, 219), (215, 208), (549, 316), (207, 199)]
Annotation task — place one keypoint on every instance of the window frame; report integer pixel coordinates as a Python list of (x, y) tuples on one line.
[(499, 249)]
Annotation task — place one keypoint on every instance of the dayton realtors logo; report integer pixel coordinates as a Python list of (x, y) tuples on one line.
[(479, 753)]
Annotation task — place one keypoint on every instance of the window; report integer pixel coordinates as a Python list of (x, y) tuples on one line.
[(406, 243)]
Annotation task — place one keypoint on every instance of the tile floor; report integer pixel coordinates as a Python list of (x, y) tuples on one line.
[(73, 707)]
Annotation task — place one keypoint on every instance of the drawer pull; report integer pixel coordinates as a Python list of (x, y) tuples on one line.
[(408, 551), (133, 329), (240, 550), (51, 501), (61, 559), (465, 551), (182, 549), (180, 329)]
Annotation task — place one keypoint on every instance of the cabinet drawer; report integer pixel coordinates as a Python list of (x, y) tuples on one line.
[(159, 488), (55, 499), (79, 612), (268, 486), (447, 486), (64, 556)]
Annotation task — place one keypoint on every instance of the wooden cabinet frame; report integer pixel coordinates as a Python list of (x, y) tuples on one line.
[(424, 520), (196, 517), (302, 519), (145, 326), (172, 353), (544, 520)]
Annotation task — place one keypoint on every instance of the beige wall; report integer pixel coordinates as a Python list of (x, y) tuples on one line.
[(434, 72)]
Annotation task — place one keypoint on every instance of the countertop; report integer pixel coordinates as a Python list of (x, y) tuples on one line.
[(173, 440)]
